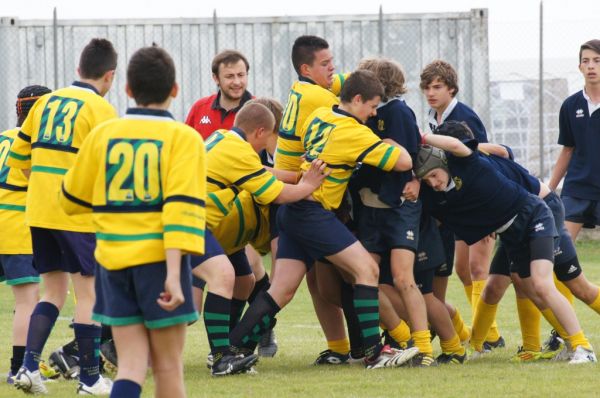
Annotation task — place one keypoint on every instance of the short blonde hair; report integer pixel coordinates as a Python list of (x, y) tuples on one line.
[(274, 106), (389, 73)]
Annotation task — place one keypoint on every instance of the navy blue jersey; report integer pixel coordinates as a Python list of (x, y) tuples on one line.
[(514, 172), (463, 113), (394, 120), (579, 129), (481, 201)]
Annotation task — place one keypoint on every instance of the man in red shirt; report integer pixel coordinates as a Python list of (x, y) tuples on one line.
[(217, 111)]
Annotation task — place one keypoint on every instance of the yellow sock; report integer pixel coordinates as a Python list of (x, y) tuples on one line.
[(341, 346), (478, 286), (549, 316), (452, 346), (578, 339), (529, 319), (422, 339), (469, 292), (400, 333), (461, 329), (563, 289), (595, 305), (484, 317)]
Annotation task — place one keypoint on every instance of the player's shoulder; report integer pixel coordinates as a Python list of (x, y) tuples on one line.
[(574, 99), (11, 133)]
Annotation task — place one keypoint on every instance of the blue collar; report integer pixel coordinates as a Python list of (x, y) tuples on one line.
[(85, 85), (336, 109), (149, 112), (306, 80), (239, 132)]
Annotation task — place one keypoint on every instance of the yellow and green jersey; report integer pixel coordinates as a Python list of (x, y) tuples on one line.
[(340, 140), (234, 166), (15, 237), (305, 96), (47, 143), (144, 178)]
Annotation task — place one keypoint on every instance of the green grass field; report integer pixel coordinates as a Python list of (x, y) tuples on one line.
[(290, 373)]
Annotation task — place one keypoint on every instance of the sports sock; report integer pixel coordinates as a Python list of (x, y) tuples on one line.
[(579, 339), (341, 346), (401, 333), (459, 326), (469, 292), (529, 320), (452, 346), (563, 289), (17, 358), (422, 340), (257, 319), (484, 317), (237, 309), (261, 285), (106, 333), (478, 286), (123, 388), (366, 305), (352, 322), (71, 348), (595, 305), (88, 340), (549, 316), (216, 321), (41, 323)]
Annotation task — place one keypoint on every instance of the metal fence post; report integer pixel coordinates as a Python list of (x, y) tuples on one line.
[(541, 91), (216, 31), (55, 45), (380, 31)]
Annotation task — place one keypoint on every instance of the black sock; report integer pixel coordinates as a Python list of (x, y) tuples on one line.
[(366, 305), (106, 334), (17, 358), (71, 348), (216, 321), (261, 285), (259, 318), (237, 308), (352, 322)]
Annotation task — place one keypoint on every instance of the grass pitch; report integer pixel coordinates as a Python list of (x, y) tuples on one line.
[(300, 339)]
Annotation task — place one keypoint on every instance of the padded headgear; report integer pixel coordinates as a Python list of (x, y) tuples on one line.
[(453, 128), (430, 158), (26, 98)]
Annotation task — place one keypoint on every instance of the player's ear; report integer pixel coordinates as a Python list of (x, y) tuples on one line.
[(304, 69), (174, 90), (215, 79), (128, 90)]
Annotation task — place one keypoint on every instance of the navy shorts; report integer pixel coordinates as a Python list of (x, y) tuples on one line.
[(582, 211), (212, 248), (308, 232), (380, 230), (240, 263), (533, 221), (431, 253), (128, 296), (424, 280), (566, 263), (18, 269), (67, 251), (445, 270), (273, 220)]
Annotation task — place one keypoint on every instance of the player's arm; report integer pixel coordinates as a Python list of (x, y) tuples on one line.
[(289, 177), (494, 149), (404, 161), (19, 156), (172, 296), (449, 144), (310, 181), (77, 190), (561, 165), (184, 193)]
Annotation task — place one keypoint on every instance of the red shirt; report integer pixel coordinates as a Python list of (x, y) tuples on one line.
[(207, 115)]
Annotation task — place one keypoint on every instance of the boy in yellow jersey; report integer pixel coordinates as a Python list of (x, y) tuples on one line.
[(309, 230), (143, 179), (46, 147), (317, 86), (233, 165), (16, 260)]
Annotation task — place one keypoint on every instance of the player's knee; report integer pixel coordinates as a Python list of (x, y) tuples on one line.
[(493, 292)]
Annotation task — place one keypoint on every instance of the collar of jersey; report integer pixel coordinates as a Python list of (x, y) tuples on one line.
[(396, 98), (337, 110), (592, 107), (85, 86), (305, 79), (239, 132), (146, 113), (445, 114), (216, 104)]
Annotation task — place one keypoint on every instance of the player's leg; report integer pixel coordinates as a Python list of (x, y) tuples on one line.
[(166, 352), (133, 348), (529, 321), (461, 266)]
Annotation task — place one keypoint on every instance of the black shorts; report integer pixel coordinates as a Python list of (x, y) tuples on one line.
[(447, 236), (67, 251)]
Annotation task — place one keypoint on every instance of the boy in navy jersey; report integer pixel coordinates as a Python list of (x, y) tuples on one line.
[(466, 193), (439, 83), (579, 132)]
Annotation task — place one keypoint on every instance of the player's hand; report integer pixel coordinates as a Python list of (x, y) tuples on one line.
[(411, 190), (172, 297), (316, 174)]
